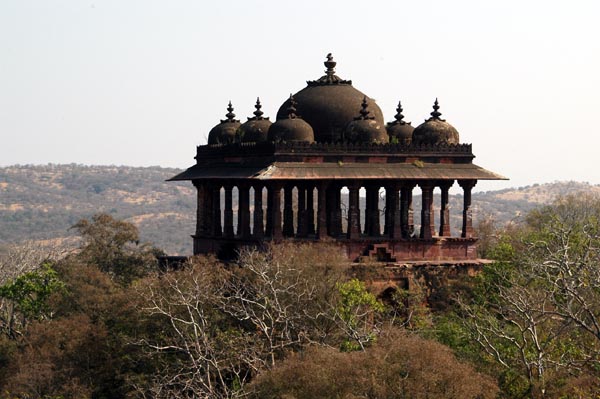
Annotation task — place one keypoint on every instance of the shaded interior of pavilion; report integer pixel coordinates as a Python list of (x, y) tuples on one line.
[(351, 210)]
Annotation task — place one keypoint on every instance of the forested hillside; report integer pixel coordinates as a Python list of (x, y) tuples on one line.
[(43, 202)]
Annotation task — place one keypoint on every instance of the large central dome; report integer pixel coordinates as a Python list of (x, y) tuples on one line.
[(329, 104)]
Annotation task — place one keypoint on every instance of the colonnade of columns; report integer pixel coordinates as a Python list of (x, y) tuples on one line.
[(215, 215)]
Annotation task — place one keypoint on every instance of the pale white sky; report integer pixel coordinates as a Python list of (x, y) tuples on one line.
[(142, 82)]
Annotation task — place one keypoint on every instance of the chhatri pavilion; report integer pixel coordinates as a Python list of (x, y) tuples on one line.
[(301, 177)]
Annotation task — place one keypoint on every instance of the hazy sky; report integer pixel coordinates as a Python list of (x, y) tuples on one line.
[(142, 82)]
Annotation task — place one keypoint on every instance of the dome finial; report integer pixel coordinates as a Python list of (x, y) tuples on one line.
[(399, 117), (330, 78), (291, 110), (435, 130), (364, 128), (330, 65), (364, 112), (436, 114), (225, 132), (399, 130), (230, 115), (258, 114), (256, 128)]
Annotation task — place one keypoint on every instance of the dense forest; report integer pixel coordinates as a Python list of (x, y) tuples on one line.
[(103, 321), (43, 202)]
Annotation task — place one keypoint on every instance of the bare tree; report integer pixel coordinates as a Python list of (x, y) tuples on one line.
[(199, 354), (221, 324), (513, 331), (565, 260), (540, 309), (27, 256), (286, 294)]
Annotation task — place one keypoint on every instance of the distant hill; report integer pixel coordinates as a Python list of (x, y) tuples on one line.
[(43, 202), (512, 203)]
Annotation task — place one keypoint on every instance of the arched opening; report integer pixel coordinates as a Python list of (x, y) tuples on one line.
[(311, 205), (251, 195), (235, 193), (437, 195), (220, 197), (344, 207), (362, 203)]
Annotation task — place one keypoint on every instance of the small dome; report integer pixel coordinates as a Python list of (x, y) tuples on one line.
[(435, 130), (256, 128), (225, 132), (292, 128), (365, 128), (399, 130), (328, 104)]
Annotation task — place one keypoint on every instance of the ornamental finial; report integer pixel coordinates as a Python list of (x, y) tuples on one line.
[(291, 110), (364, 112), (330, 65), (399, 117), (258, 114), (436, 114), (230, 115), (330, 78)]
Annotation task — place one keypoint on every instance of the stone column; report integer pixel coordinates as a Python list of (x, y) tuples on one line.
[(427, 216), (228, 212), (244, 211), (302, 222), (328, 209), (467, 226), (406, 210), (209, 212), (288, 211), (275, 191), (372, 227), (310, 210), (201, 207), (259, 230), (322, 211), (353, 211), (393, 212), (445, 209), (334, 210), (216, 210), (388, 217)]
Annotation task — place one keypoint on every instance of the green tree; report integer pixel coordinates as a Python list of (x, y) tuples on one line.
[(31, 291), (85, 349), (357, 311), (113, 245)]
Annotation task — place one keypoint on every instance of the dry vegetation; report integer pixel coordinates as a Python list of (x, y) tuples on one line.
[(289, 321)]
